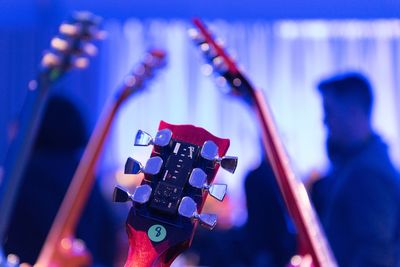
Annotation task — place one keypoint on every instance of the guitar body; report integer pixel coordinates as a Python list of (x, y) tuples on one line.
[(157, 229)]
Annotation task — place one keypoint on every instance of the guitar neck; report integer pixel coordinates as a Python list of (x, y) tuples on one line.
[(293, 191), (20, 150), (72, 206)]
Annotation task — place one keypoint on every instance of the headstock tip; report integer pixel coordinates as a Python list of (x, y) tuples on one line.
[(86, 16), (159, 53), (156, 58)]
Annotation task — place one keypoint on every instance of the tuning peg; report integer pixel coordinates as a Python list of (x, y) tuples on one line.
[(11, 261), (80, 62), (162, 138), (141, 195), (193, 33), (59, 44), (188, 208), (153, 166), (89, 49), (50, 60), (198, 179), (68, 29), (209, 151)]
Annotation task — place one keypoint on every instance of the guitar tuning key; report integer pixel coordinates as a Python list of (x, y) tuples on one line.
[(80, 63), (162, 138), (152, 167), (194, 34), (11, 261), (209, 151), (59, 44), (188, 208), (50, 60), (89, 49), (141, 195), (198, 179)]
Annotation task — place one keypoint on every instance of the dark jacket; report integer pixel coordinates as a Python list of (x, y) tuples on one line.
[(270, 232), (359, 205)]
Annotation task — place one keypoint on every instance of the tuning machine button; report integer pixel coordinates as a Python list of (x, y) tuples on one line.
[(188, 208), (153, 166), (209, 151), (163, 138), (198, 179), (141, 195)]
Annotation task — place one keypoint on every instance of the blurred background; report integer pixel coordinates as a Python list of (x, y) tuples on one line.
[(285, 47)]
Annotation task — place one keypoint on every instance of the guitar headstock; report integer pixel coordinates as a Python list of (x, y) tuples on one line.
[(136, 80), (222, 64), (177, 179), (72, 46)]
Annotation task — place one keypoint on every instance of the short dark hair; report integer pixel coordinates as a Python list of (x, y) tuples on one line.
[(351, 86)]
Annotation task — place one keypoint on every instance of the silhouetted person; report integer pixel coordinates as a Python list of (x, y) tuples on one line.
[(359, 200), (270, 233), (266, 240), (61, 139)]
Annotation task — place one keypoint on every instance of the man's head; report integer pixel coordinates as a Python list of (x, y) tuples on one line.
[(347, 102)]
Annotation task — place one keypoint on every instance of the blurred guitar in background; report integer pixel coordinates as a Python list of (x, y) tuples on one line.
[(61, 248), (167, 204), (70, 49), (314, 248)]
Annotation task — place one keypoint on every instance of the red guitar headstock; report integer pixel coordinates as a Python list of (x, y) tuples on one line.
[(222, 64), (167, 205), (136, 81)]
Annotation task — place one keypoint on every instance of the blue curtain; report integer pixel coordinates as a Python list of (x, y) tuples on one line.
[(285, 59)]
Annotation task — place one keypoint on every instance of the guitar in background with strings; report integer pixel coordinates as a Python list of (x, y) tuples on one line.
[(61, 248), (69, 49), (314, 248), (167, 204)]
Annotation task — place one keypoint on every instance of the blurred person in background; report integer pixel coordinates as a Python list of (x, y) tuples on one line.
[(268, 238), (57, 151), (358, 200), (270, 232)]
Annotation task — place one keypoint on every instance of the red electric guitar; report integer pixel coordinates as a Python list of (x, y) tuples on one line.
[(61, 248), (313, 245), (177, 179)]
